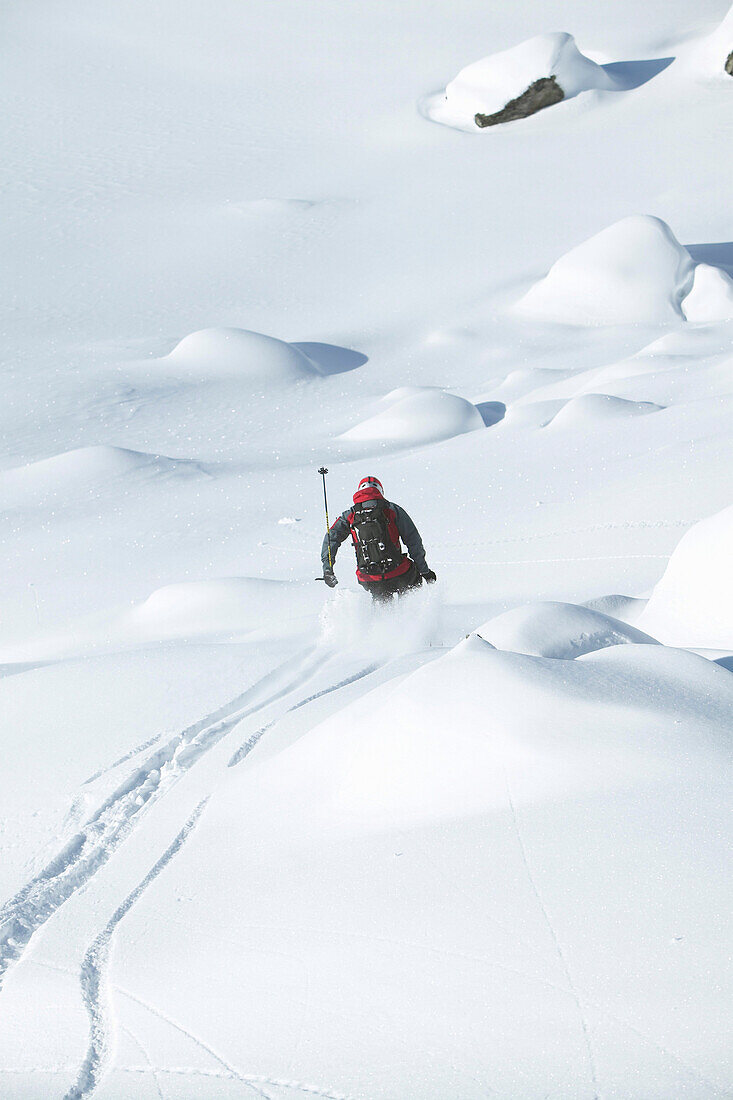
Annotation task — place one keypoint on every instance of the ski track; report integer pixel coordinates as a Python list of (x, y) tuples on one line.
[(91, 847), (93, 969), (246, 748), (553, 935), (147, 1058), (275, 1082), (123, 759), (630, 525), (556, 561), (231, 1073), (336, 687)]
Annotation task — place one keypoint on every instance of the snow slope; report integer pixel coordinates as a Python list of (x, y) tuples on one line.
[(260, 838)]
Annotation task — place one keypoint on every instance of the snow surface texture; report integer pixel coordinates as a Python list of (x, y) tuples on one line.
[(486, 86), (262, 838)]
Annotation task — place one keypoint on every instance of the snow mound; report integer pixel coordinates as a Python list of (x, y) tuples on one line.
[(533, 414), (486, 86), (711, 297), (558, 630), (213, 352), (594, 408), (692, 605), (413, 415), (443, 742), (79, 469), (525, 380), (222, 610), (626, 608), (224, 607), (708, 57), (634, 271)]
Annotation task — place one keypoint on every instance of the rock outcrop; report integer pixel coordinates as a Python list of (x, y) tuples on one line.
[(729, 64), (518, 82), (541, 93)]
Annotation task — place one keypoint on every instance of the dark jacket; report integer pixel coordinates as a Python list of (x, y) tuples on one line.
[(406, 529)]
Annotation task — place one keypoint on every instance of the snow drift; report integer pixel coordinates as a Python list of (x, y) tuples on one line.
[(711, 297), (413, 415), (591, 409), (434, 748), (487, 86), (250, 356), (193, 611), (692, 605), (634, 271), (709, 56), (80, 470), (558, 630)]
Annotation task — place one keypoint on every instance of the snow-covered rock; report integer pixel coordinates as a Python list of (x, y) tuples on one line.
[(413, 415), (249, 356), (558, 630), (485, 87), (634, 271), (692, 605), (711, 297)]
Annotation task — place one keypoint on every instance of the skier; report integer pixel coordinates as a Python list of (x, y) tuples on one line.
[(376, 527)]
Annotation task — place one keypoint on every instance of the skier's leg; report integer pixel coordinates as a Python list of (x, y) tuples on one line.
[(380, 591), (409, 580)]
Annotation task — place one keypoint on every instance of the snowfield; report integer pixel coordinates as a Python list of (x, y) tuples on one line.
[(259, 837)]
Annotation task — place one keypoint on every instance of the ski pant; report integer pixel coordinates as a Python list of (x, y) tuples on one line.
[(384, 591)]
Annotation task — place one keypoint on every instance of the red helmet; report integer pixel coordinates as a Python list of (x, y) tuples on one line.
[(370, 483)]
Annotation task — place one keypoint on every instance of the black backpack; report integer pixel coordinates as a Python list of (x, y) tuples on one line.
[(376, 550)]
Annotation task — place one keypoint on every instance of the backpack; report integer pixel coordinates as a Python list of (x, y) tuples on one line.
[(376, 541)]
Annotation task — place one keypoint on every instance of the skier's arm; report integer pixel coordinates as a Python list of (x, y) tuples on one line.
[(338, 532), (411, 538)]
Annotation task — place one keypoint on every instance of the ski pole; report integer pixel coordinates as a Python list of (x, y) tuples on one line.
[(323, 471)]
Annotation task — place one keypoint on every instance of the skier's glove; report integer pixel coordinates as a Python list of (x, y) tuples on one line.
[(330, 578), (429, 576)]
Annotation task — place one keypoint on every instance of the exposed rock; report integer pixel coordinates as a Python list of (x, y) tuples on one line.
[(542, 93), (729, 64)]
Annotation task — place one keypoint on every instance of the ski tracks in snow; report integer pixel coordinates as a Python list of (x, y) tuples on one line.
[(92, 846), (93, 970), (246, 748), (94, 986), (107, 828), (553, 936)]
